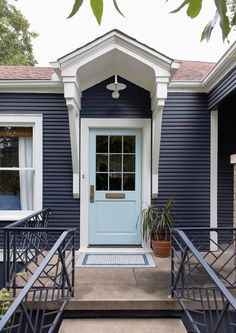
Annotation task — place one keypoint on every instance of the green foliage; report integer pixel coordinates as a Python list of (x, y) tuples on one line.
[(75, 8), (4, 302), (15, 38), (194, 8), (96, 6), (117, 8), (224, 20), (157, 222)]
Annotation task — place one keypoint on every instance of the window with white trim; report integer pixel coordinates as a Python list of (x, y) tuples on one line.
[(20, 164)]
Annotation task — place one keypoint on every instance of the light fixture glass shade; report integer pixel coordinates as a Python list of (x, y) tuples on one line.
[(116, 87), (115, 94)]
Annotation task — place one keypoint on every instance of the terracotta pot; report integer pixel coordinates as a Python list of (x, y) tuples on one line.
[(161, 248)]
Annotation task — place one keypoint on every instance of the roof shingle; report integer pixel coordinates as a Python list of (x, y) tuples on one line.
[(192, 70), (188, 71), (25, 73)]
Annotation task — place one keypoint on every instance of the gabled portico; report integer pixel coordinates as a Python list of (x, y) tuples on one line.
[(114, 54)]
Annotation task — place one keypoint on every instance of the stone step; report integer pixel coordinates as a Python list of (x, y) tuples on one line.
[(149, 304), (159, 325)]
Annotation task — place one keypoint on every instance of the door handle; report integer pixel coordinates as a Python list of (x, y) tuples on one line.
[(91, 193)]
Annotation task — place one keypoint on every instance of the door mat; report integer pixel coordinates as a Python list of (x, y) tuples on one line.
[(115, 260)]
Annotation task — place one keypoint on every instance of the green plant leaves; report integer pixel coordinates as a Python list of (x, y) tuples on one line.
[(224, 20), (186, 2), (97, 8), (157, 221), (194, 7), (117, 8), (76, 7), (206, 34), (234, 20)]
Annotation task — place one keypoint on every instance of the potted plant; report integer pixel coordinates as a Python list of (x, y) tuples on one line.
[(156, 226)]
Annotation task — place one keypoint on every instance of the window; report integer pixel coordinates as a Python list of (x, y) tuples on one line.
[(115, 163), (20, 164)]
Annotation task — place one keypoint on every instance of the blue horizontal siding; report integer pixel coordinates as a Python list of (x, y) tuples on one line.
[(226, 147), (57, 163), (184, 169), (97, 102), (223, 89)]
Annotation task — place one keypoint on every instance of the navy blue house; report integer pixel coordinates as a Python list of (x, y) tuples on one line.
[(112, 127)]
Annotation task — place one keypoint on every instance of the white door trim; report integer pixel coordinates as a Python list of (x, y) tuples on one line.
[(86, 124)]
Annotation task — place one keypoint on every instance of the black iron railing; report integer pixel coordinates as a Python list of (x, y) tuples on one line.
[(204, 277), (24, 242), (39, 271)]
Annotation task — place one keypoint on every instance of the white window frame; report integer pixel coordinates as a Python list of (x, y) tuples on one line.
[(36, 122)]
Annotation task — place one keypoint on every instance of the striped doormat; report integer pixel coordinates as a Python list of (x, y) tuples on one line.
[(115, 260)]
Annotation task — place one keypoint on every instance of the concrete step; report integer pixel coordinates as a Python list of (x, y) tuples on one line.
[(160, 325)]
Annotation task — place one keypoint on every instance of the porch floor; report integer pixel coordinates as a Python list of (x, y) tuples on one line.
[(124, 288)]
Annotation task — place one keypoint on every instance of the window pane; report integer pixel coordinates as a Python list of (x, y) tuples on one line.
[(115, 144), (16, 190), (115, 163), (102, 163), (9, 156), (115, 181), (102, 144), (101, 182), (129, 163), (129, 144), (129, 182), (15, 147)]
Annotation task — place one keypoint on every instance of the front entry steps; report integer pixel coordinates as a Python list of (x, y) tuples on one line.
[(103, 325)]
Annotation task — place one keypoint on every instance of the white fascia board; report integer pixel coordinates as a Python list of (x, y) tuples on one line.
[(111, 42), (111, 38), (226, 63), (31, 86), (186, 86)]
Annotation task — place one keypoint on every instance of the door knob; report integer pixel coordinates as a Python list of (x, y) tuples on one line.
[(91, 193)]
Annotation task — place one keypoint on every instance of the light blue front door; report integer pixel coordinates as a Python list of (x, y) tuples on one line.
[(115, 187)]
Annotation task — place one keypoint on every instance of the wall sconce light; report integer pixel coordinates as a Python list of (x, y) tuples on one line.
[(116, 87)]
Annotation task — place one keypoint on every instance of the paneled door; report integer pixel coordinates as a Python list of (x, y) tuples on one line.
[(115, 187)]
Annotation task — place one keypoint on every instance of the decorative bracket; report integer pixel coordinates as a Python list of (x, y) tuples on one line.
[(158, 97), (73, 101)]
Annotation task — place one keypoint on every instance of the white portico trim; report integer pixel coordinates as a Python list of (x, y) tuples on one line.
[(114, 53)]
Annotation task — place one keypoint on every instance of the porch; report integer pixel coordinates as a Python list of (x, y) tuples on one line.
[(124, 289), (40, 271), (123, 300)]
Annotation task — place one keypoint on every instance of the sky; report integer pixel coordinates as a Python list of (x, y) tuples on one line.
[(149, 21)]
